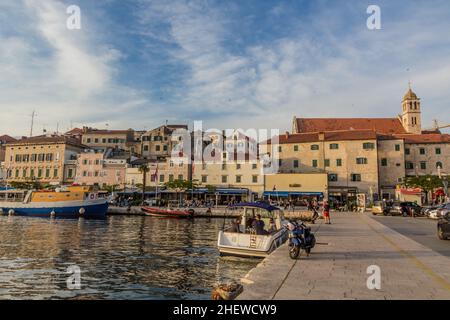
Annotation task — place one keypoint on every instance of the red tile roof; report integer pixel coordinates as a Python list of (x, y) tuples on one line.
[(6, 139), (48, 140), (424, 138), (380, 125), (328, 136), (74, 131)]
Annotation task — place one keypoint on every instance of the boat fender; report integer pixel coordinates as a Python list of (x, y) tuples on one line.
[(53, 213), (81, 211), (11, 212)]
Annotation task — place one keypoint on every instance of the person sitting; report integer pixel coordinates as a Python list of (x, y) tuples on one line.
[(235, 225), (258, 225), (272, 226)]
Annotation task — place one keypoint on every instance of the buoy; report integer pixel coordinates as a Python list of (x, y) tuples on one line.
[(11, 212), (81, 211)]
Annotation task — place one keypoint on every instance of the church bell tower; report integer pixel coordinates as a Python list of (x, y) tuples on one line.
[(411, 114)]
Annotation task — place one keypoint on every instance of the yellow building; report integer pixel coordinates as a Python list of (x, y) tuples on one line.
[(44, 159)]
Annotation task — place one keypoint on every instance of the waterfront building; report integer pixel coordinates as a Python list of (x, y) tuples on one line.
[(159, 142), (102, 167), (160, 171), (45, 159), (112, 139), (391, 149), (4, 139)]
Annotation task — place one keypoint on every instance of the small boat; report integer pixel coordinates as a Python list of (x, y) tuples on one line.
[(246, 243), (64, 202), (168, 213)]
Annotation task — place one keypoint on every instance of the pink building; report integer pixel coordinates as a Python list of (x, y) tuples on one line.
[(95, 167)]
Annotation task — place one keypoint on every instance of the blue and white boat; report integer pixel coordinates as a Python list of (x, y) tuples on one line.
[(66, 202)]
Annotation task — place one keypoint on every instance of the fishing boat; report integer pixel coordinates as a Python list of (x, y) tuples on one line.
[(243, 240), (168, 213), (64, 202)]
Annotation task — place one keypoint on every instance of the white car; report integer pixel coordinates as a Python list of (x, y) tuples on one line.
[(435, 213)]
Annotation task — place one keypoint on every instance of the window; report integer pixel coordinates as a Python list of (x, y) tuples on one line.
[(69, 173), (295, 163), (24, 173), (397, 147), (314, 163), (170, 177), (238, 179), (165, 147), (55, 173), (332, 177), (180, 177), (254, 166), (327, 162), (96, 140), (203, 165), (423, 165), (314, 147), (368, 145), (17, 173), (255, 179), (238, 166), (334, 146), (88, 140), (39, 173), (409, 165), (384, 162), (407, 151), (279, 148), (96, 174), (85, 161), (145, 148), (224, 166), (438, 150), (339, 162), (161, 178), (158, 148), (439, 165), (280, 162), (355, 177), (224, 179), (296, 148), (204, 179), (32, 173), (422, 150), (361, 160)]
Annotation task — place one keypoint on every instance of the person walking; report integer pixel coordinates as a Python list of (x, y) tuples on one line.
[(326, 212)]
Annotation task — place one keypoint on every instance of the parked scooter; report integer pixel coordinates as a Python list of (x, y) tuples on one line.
[(300, 238)]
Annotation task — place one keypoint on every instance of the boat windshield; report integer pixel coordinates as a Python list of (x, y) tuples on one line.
[(258, 220), (12, 196)]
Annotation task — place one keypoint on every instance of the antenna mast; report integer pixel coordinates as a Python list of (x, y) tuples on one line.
[(33, 114)]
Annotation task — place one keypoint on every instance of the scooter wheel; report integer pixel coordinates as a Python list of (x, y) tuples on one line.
[(294, 252)]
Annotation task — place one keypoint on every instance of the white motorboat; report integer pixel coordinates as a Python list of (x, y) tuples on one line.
[(244, 240)]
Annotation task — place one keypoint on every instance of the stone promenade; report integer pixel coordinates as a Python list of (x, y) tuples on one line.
[(337, 267)]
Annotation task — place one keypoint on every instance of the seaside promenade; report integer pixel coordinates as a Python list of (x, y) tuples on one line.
[(337, 266)]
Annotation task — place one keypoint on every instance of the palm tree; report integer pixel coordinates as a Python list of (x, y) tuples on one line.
[(144, 169)]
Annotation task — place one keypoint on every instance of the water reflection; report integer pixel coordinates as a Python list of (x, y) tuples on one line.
[(120, 258)]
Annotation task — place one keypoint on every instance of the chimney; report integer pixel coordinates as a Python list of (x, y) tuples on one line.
[(321, 136), (287, 135)]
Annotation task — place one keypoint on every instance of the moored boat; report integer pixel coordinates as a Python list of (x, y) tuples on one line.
[(245, 241), (65, 202), (168, 213)]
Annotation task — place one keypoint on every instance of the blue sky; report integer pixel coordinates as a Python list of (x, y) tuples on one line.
[(229, 63)]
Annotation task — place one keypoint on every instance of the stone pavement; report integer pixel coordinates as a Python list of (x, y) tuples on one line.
[(337, 267)]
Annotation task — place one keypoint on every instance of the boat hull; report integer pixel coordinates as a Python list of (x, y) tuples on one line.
[(68, 209), (155, 212), (269, 244)]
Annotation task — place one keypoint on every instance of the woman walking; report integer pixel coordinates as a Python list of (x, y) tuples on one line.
[(326, 212)]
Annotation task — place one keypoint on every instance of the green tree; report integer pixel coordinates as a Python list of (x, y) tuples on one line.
[(144, 169)]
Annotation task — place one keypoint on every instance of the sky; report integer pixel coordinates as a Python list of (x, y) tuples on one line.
[(231, 64)]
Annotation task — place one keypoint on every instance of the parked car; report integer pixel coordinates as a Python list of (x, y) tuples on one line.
[(403, 208), (443, 226), (434, 211), (379, 207)]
